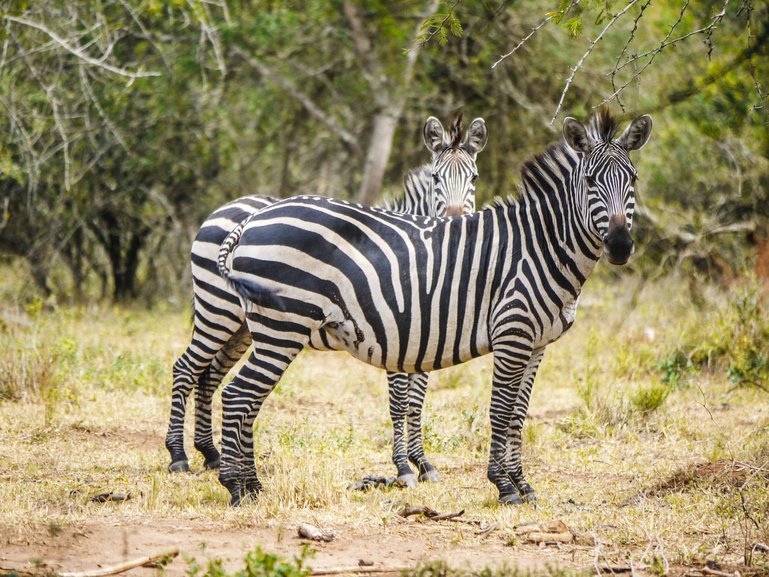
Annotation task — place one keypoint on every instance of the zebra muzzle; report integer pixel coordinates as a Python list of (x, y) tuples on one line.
[(617, 243)]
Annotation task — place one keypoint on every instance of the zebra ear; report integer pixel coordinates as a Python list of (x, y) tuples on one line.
[(576, 136), (476, 137), (636, 135), (435, 137)]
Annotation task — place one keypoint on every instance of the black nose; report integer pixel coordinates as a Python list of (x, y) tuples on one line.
[(618, 244)]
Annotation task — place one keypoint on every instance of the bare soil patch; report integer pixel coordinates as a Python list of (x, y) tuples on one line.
[(99, 543)]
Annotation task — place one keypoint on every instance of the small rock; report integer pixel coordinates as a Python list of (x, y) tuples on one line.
[(307, 531)]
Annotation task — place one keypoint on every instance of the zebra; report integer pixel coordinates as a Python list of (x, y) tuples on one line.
[(219, 339), (411, 293)]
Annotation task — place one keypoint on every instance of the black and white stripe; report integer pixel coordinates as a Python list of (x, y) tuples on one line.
[(220, 338), (414, 294)]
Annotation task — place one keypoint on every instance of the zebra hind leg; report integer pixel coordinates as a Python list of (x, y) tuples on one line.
[(241, 401), (398, 387), (225, 359), (184, 382), (416, 396)]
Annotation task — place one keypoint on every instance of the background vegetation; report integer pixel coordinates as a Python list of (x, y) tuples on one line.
[(125, 122)]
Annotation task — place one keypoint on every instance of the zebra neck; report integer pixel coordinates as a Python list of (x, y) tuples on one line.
[(415, 198), (552, 203)]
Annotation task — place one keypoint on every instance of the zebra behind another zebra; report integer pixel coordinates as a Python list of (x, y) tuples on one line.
[(416, 294), (220, 338)]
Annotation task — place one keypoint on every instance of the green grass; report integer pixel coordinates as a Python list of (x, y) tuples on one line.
[(621, 410)]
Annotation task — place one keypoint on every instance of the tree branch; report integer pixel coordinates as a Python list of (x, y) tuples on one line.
[(533, 31), (587, 53), (347, 137), (77, 51), (666, 42)]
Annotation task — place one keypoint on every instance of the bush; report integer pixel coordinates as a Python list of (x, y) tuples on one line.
[(258, 563)]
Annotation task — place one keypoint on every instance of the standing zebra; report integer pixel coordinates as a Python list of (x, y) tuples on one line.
[(414, 294), (220, 336)]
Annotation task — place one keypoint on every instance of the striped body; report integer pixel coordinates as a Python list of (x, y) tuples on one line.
[(220, 337), (412, 293)]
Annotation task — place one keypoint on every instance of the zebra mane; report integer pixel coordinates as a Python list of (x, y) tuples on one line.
[(456, 131), (602, 125), (401, 202)]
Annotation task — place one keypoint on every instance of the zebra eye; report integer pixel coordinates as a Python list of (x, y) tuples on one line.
[(590, 180), (436, 178), (634, 179), (474, 178)]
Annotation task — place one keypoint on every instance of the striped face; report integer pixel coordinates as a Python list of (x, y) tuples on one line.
[(607, 177), (454, 172), (453, 183)]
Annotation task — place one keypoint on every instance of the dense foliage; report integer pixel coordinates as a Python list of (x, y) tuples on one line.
[(127, 121)]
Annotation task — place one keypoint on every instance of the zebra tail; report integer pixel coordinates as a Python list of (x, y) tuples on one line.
[(228, 244)]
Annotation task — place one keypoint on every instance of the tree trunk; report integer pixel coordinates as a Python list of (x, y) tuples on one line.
[(377, 156)]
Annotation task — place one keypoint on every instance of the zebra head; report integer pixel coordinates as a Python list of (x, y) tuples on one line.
[(452, 186), (607, 178)]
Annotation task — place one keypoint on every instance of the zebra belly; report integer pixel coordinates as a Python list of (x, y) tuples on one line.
[(342, 337)]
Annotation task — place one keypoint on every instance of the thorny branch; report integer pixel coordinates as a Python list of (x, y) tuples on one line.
[(748, 6), (666, 42), (587, 53), (533, 31), (630, 38)]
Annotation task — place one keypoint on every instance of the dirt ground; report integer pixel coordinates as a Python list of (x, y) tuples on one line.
[(101, 543)]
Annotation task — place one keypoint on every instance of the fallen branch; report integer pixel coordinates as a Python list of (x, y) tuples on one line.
[(161, 557), (432, 515), (708, 571), (360, 570), (408, 511), (605, 568)]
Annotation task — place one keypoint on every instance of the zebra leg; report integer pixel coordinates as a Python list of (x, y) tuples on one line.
[(184, 381), (513, 464), (398, 388), (510, 362), (224, 360), (211, 332), (241, 401), (417, 391)]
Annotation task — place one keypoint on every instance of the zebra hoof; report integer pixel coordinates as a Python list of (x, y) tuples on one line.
[(529, 496), (511, 499), (430, 476), (213, 463), (409, 480), (179, 467)]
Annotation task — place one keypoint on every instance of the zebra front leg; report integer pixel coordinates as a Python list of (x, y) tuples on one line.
[(510, 362), (513, 462), (417, 391), (224, 360), (398, 388)]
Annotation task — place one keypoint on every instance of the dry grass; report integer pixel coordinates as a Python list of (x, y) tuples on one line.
[(672, 480)]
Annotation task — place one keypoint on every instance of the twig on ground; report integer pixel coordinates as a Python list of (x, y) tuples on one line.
[(161, 557), (606, 568), (433, 515), (360, 570)]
